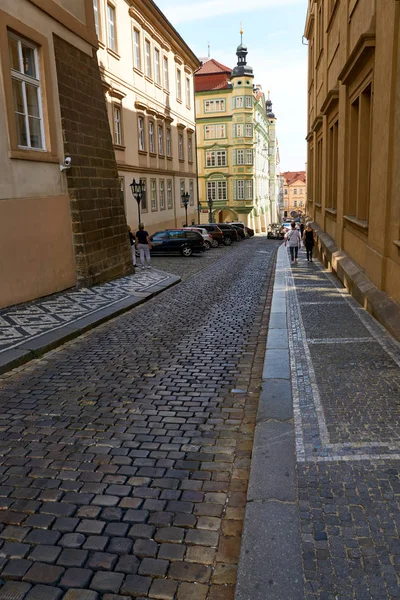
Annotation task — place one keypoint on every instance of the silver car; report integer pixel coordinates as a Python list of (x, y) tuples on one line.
[(208, 240)]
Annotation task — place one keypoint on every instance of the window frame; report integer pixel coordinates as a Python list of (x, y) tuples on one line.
[(240, 152), (147, 58), (188, 93), (168, 142), (150, 129), (190, 148), (117, 108), (181, 150), (161, 185), (157, 66), (141, 136), (179, 84), (240, 189), (191, 192), (153, 195), (210, 106), (166, 73), (114, 47), (170, 194), (137, 50), (160, 138), (96, 12), (144, 205)]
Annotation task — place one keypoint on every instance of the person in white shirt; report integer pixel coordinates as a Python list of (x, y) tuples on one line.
[(293, 238)]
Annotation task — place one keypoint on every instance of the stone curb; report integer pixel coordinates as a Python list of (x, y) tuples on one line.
[(270, 566), (34, 348)]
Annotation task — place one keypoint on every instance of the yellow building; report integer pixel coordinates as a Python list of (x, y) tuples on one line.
[(294, 193), (58, 226), (354, 144), (236, 145), (147, 72)]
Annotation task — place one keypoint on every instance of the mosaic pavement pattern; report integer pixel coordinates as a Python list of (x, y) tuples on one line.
[(25, 322), (346, 376)]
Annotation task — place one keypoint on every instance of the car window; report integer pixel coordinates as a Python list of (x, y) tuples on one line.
[(177, 235), (193, 235), (160, 235)]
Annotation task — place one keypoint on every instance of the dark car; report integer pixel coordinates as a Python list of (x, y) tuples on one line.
[(215, 232), (241, 231), (177, 241), (230, 233)]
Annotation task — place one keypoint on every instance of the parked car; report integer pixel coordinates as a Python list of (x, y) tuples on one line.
[(177, 241), (230, 233), (241, 231), (276, 231), (215, 232), (248, 231), (208, 241)]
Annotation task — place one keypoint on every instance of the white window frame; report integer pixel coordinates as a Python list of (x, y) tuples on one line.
[(191, 192), (239, 102), (137, 55), (153, 194), (166, 73), (249, 130), (162, 194), (157, 67), (96, 17), (34, 82), (190, 148), (240, 157), (214, 105), (249, 189), (111, 27), (249, 156), (160, 130), (239, 130), (240, 192), (168, 142), (147, 52), (223, 130), (170, 197), (141, 142), (217, 190), (152, 147), (188, 92), (179, 85), (249, 102), (180, 146), (117, 118)]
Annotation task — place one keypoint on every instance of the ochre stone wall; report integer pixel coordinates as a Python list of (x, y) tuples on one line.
[(101, 245)]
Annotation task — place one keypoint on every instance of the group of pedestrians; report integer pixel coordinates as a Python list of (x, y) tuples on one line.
[(295, 236), (140, 241)]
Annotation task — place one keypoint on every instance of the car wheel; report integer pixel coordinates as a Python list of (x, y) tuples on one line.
[(207, 245), (215, 243), (186, 251), (227, 241)]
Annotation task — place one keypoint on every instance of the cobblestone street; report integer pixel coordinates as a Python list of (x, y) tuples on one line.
[(124, 455)]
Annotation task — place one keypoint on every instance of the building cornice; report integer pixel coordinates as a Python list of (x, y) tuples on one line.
[(310, 20), (331, 101), (317, 123), (362, 52)]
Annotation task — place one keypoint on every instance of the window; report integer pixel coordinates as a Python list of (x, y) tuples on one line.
[(188, 92), (180, 140), (141, 133), (239, 102), (240, 189), (295, 203), (169, 142), (294, 190), (249, 156), (216, 158), (190, 149), (320, 30), (160, 140), (151, 137), (318, 181), (148, 58), (137, 61), (157, 66), (178, 84), (153, 194), (169, 194), (121, 181), (191, 192), (166, 74), (332, 165), (144, 198), (249, 101), (238, 130), (96, 17), (25, 75), (214, 131), (249, 130), (182, 188), (111, 27), (216, 190), (117, 126), (214, 106), (240, 157), (285, 191), (249, 189), (162, 194)]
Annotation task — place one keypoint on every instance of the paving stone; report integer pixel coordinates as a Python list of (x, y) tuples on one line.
[(163, 589), (76, 578), (81, 595), (14, 550), (44, 592), (198, 554), (72, 540), (194, 591), (90, 527), (107, 582), (40, 521), (128, 564), (174, 535), (72, 558), (43, 553), (185, 571), (153, 567), (41, 536), (143, 548), (120, 546), (102, 560), (16, 568), (14, 534), (135, 585), (202, 538), (96, 542), (14, 590), (172, 552), (142, 531), (65, 524), (43, 573)]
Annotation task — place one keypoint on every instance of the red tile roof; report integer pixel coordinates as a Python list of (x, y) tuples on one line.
[(212, 66), (212, 75), (292, 176)]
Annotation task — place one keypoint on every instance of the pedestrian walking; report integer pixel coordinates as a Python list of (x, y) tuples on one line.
[(144, 246), (302, 229), (308, 241), (293, 238), (133, 245)]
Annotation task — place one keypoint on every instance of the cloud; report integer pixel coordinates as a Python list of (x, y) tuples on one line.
[(190, 11)]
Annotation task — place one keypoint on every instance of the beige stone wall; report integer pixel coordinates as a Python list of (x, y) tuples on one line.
[(354, 132)]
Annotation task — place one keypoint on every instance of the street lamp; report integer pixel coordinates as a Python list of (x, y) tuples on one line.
[(210, 206), (138, 189), (185, 201), (198, 211)]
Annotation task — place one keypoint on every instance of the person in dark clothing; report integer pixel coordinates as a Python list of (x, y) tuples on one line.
[(302, 229), (144, 246), (133, 245), (308, 240)]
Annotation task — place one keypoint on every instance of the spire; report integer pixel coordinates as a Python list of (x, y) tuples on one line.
[(241, 32), (242, 70), (268, 106), (209, 50)]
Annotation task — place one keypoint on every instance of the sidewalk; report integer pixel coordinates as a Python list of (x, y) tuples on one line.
[(323, 515), (29, 330)]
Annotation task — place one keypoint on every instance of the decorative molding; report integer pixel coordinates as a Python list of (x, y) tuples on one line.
[(181, 125), (361, 54), (331, 101), (178, 59), (317, 123), (140, 105), (114, 93)]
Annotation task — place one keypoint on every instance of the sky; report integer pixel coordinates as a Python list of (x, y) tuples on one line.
[(273, 32)]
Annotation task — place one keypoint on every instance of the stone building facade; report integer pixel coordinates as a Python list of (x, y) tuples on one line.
[(294, 193), (147, 74), (58, 228), (237, 147), (354, 143)]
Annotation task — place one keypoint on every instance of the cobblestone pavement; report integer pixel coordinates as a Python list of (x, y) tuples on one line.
[(124, 455), (346, 390)]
